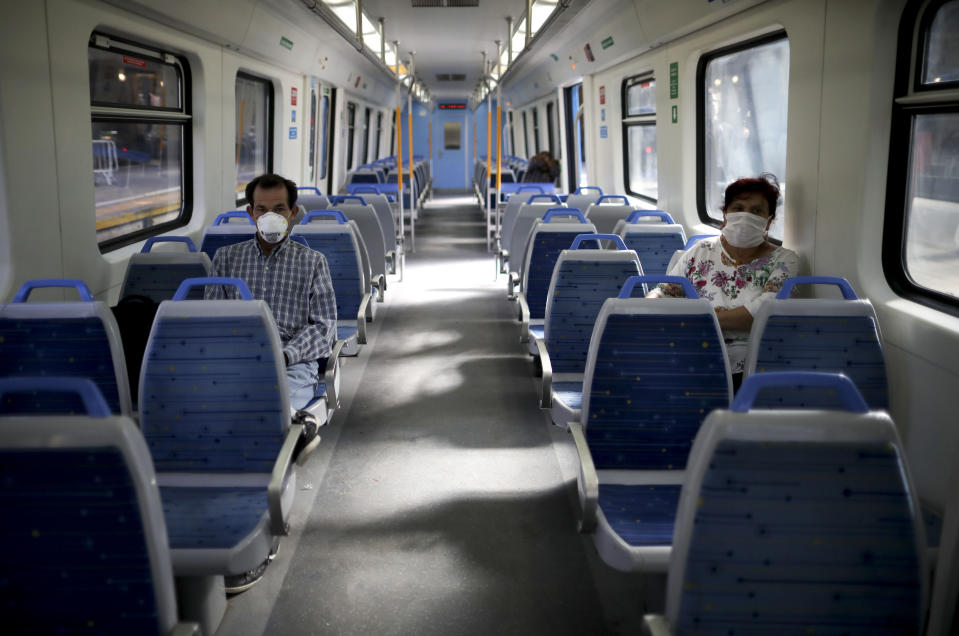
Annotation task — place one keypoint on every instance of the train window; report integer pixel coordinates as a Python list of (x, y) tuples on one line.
[(324, 131), (379, 133), (640, 95), (940, 59), (742, 101), (536, 129), (921, 233), (140, 115), (575, 145), (639, 137), (254, 131), (350, 129), (366, 136), (512, 135), (550, 129), (525, 137)]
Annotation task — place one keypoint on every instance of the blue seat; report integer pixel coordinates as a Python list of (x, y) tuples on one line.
[(536, 206), (76, 339), (655, 243), (552, 234), (384, 213), (819, 334), (653, 372), (605, 213), (309, 198), (797, 522), (223, 232), (339, 244), (581, 282), (367, 222), (87, 548), (584, 197), (157, 275)]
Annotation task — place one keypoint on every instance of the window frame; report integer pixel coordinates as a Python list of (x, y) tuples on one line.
[(911, 99), (270, 120), (704, 59), (379, 133), (536, 129), (629, 121), (350, 134), (525, 137), (181, 117)]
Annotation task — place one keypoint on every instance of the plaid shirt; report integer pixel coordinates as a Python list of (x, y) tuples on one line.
[(295, 282)]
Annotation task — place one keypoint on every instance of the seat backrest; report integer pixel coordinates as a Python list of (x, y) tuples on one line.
[(383, 211), (605, 215), (338, 243), (312, 201), (513, 204), (818, 334), (75, 339), (584, 197), (655, 243), (546, 242), (157, 275), (806, 519), (655, 368), (87, 541), (582, 280), (519, 238), (356, 209), (223, 232), (364, 176), (213, 394)]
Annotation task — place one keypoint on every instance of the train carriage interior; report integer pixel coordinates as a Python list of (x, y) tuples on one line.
[(510, 430)]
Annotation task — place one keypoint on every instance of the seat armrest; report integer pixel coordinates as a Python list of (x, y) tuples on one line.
[(185, 629), (331, 376), (588, 480), (379, 284), (656, 625), (503, 257), (364, 315), (278, 525), (523, 318), (391, 260), (546, 398), (511, 284)]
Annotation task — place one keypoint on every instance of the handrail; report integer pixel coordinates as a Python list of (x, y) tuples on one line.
[(184, 289), (24, 292), (848, 393), (682, 281), (153, 240)]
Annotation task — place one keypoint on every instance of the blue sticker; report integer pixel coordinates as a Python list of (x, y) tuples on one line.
[(292, 132), (603, 132), (602, 114), (293, 114)]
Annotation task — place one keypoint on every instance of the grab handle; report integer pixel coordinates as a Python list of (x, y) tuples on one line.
[(153, 240), (233, 214), (24, 292), (84, 387), (607, 197), (548, 197), (692, 240), (316, 190), (184, 289), (842, 283), (336, 199), (848, 393), (615, 238), (554, 212), (682, 281), (635, 215), (530, 188), (580, 189), (324, 214)]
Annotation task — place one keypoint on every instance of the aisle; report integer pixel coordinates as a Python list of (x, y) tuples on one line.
[(443, 507)]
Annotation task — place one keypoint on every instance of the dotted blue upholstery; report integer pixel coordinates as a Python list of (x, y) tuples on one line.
[(212, 517), (655, 379), (213, 240), (802, 538), (544, 252), (212, 382), (581, 288), (641, 514), (654, 249), (74, 347), (340, 251), (159, 281), (841, 344), (76, 557)]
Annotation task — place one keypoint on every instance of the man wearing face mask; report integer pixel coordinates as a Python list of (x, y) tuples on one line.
[(293, 280), (739, 269)]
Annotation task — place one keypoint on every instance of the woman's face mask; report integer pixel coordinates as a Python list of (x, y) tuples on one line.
[(744, 229), (272, 227)]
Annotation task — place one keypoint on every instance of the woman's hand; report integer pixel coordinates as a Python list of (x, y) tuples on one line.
[(738, 319)]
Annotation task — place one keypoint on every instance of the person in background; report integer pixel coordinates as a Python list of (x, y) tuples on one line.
[(739, 269), (542, 168)]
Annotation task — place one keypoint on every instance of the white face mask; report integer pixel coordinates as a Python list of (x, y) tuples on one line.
[(272, 227), (744, 229)]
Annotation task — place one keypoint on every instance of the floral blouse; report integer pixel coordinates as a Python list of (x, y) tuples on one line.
[(716, 278)]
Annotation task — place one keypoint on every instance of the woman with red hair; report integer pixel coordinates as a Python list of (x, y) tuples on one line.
[(739, 269)]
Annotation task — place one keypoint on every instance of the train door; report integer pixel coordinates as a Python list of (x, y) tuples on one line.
[(451, 168), (318, 106)]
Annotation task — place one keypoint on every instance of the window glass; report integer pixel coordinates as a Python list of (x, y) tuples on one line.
[(641, 142), (324, 132), (350, 129), (379, 133), (525, 137), (932, 202), (512, 135), (536, 129), (140, 129), (550, 132), (254, 97), (942, 46), (640, 96), (744, 123), (126, 79), (366, 136), (451, 135)]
